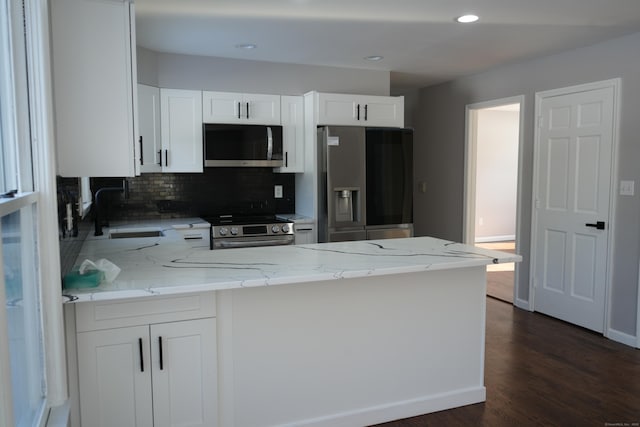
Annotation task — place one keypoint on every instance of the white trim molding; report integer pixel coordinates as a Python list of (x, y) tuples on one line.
[(469, 210)]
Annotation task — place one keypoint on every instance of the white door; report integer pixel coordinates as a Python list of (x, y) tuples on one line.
[(184, 373), (574, 155), (181, 124), (115, 378)]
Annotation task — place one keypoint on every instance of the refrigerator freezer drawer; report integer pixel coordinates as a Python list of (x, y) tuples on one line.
[(389, 233), (347, 236)]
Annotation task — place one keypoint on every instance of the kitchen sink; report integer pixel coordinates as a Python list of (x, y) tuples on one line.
[(135, 233)]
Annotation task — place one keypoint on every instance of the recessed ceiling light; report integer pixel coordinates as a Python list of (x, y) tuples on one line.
[(246, 46), (467, 19), (373, 58)]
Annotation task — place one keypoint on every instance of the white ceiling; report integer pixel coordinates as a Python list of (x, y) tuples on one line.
[(419, 40)]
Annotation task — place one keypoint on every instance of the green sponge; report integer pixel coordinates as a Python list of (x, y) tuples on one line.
[(90, 279)]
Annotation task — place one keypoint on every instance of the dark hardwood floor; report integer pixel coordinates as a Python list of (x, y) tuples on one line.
[(543, 372), (500, 285)]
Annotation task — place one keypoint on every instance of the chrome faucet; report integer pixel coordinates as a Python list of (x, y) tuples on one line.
[(125, 191)]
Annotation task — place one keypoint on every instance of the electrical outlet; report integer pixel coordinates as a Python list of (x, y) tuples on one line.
[(277, 191)]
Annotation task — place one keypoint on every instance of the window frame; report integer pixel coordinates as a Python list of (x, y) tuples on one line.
[(34, 148)]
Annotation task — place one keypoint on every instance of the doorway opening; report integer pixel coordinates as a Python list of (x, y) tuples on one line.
[(492, 186)]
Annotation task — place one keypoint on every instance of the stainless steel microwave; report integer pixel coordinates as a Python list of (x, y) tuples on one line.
[(242, 145)]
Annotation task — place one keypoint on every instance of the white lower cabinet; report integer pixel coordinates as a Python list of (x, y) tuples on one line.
[(115, 380), (160, 374), (305, 233)]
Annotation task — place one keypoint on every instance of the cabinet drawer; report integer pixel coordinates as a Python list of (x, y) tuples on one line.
[(91, 316)]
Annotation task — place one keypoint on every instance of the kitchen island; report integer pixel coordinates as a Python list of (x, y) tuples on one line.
[(350, 333)]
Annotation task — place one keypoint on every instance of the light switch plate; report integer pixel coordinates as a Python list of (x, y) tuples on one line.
[(277, 191), (627, 188)]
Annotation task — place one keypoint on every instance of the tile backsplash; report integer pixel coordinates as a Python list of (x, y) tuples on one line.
[(216, 191)]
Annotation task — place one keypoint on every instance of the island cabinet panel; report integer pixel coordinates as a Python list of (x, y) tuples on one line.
[(355, 351)]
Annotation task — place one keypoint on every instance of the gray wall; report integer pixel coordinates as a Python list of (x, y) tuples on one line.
[(236, 75), (439, 120)]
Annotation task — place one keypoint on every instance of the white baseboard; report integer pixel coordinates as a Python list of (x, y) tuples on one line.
[(622, 337), (487, 239), (398, 410)]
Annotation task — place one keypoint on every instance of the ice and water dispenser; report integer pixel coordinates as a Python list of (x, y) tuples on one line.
[(346, 204)]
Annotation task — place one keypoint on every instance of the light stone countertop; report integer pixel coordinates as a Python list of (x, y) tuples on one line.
[(171, 265)]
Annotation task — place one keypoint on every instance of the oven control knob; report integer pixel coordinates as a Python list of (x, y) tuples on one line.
[(223, 231), (285, 228), (275, 229), (234, 231)]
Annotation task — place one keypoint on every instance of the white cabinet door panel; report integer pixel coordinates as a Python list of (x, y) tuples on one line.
[(221, 107), (247, 108), (149, 128), (93, 83), (181, 123), (184, 375), (115, 378), (292, 117)]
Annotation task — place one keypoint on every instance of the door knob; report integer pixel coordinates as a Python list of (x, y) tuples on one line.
[(599, 225)]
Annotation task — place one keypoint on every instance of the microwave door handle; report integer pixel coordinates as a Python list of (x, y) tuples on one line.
[(269, 143)]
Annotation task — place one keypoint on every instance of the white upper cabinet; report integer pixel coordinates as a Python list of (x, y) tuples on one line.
[(93, 56), (247, 108), (292, 116), (149, 140), (359, 110), (181, 130)]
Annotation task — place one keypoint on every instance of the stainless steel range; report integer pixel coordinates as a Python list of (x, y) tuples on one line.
[(238, 231)]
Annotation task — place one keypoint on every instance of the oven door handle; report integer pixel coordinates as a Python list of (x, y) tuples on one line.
[(253, 243)]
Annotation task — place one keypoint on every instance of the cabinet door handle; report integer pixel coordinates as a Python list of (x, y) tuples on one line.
[(286, 159), (239, 108), (366, 107), (166, 157), (358, 114), (161, 353), (160, 157), (141, 152), (141, 355), (247, 110)]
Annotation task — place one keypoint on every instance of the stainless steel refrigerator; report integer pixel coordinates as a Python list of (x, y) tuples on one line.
[(365, 183)]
